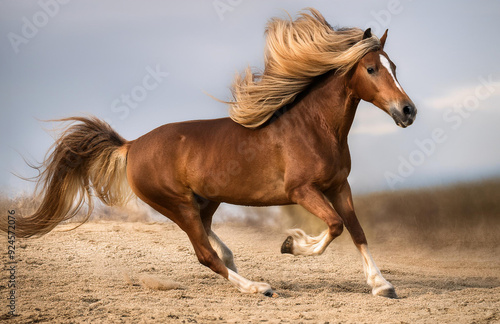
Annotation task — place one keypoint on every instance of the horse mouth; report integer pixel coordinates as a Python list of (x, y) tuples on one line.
[(402, 122)]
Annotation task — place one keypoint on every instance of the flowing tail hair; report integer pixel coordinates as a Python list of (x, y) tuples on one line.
[(88, 158)]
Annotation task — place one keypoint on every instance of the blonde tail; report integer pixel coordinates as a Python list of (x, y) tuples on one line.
[(89, 158)]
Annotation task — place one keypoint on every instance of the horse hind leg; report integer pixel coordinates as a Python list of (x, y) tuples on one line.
[(209, 257), (187, 216), (207, 211), (224, 253)]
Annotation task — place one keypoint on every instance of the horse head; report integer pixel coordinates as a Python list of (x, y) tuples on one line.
[(373, 79)]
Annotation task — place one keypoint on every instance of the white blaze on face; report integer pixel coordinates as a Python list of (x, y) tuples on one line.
[(387, 65)]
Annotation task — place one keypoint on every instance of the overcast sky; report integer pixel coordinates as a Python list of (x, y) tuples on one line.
[(66, 58)]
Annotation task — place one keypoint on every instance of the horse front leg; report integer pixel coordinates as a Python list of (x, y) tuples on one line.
[(343, 204), (313, 200)]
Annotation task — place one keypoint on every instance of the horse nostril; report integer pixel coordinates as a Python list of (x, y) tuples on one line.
[(407, 110)]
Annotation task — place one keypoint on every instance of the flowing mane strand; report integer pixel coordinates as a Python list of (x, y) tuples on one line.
[(296, 51)]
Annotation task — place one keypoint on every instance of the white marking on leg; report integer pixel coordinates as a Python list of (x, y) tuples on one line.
[(304, 244), (246, 286), (373, 276), (223, 251), (387, 65)]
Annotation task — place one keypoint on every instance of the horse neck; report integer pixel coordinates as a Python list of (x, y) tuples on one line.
[(331, 103)]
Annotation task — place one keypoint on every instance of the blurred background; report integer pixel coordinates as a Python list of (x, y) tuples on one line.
[(139, 65)]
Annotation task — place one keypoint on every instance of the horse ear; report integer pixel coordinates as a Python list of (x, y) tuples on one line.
[(383, 38), (367, 34)]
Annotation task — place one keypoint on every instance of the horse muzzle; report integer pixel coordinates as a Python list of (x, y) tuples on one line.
[(405, 116)]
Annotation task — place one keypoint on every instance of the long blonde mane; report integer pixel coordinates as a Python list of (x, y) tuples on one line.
[(296, 52)]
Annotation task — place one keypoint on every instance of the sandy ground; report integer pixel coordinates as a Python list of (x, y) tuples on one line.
[(92, 274)]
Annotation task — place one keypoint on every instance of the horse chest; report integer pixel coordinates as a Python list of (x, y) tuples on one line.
[(325, 168)]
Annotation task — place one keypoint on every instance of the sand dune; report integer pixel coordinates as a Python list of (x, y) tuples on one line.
[(78, 277)]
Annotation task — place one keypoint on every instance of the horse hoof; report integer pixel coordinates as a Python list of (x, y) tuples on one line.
[(287, 246), (387, 293), (270, 293)]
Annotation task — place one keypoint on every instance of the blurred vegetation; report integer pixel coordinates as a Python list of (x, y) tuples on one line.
[(461, 215), (135, 211)]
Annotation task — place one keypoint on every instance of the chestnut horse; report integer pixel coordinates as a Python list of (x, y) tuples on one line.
[(285, 143)]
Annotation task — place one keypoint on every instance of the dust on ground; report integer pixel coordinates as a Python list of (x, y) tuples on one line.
[(98, 273)]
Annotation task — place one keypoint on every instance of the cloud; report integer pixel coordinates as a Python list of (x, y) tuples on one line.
[(374, 129), (484, 89), (370, 120)]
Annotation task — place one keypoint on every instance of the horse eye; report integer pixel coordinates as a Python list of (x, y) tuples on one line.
[(370, 70)]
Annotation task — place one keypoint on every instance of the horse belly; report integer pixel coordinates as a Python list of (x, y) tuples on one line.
[(240, 184)]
